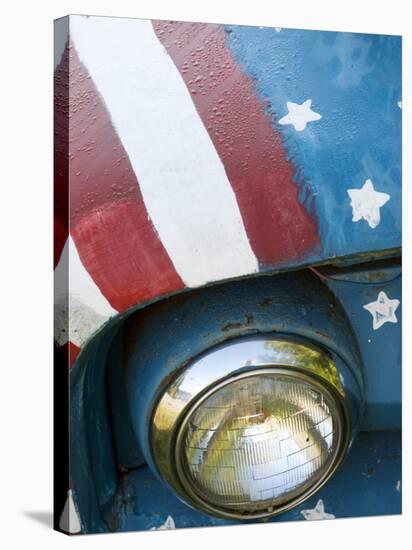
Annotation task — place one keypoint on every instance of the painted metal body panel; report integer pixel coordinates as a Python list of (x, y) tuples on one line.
[(200, 153), (381, 348), (367, 484), (188, 155), (162, 337)]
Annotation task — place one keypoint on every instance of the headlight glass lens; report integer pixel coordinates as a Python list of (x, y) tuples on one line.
[(258, 442)]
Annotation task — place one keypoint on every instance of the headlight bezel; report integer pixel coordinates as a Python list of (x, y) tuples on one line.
[(227, 362)]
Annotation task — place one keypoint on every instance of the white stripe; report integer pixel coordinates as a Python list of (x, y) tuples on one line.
[(74, 289), (182, 179), (69, 520)]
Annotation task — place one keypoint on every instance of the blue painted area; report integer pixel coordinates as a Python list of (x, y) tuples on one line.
[(173, 332), (327, 311), (354, 81), (381, 349), (365, 485)]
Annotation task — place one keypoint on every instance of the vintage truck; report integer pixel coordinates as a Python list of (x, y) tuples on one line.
[(228, 274)]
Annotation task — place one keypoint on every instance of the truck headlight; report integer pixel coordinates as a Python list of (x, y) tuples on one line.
[(253, 428)]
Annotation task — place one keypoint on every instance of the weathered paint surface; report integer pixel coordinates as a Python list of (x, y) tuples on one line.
[(181, 177), (109, 222), (381, 348), (201, 152), (354, 82), (288, 154), (279, 227), (293, 303), (365, 485)]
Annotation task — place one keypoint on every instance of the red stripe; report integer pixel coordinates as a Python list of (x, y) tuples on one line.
[(117, 243), (278, 225), (61, 145)]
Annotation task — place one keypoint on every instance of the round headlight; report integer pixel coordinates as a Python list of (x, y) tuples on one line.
[(258, 442), (259, 439)]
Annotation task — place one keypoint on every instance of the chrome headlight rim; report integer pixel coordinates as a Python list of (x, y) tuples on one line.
[(343, 421), (166, 445)]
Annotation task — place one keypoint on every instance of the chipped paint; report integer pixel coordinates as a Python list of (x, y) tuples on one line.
[(317, 513), (300, 115), (382, 310), (366, 204)]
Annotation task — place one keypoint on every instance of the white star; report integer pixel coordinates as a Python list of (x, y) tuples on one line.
[(299, 115), (366, 203), (400, 104), (318, 512), (278, 29), (382, 310), (168, 524)]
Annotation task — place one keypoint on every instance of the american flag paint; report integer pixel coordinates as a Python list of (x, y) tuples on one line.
[(187, 154)]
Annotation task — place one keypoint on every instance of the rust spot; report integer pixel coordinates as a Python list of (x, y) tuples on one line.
[(266, 302), (230, 326), (249, 320)]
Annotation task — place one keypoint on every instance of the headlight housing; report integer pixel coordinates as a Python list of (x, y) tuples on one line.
[(252, 428)]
